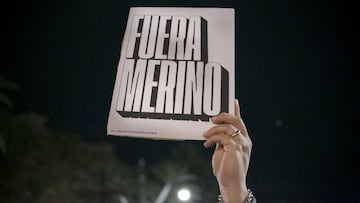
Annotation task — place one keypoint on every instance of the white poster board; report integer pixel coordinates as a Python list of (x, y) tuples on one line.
[(176, 71)]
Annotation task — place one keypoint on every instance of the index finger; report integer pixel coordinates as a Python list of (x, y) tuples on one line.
[(238, 114), (234, 120)]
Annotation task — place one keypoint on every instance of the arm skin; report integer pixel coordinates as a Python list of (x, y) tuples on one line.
[(231, 158)]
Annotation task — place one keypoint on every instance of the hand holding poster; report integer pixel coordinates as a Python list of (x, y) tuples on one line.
[(176, 71)]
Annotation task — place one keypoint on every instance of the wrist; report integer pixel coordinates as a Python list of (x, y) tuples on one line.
[(234, 194), (250, 198)]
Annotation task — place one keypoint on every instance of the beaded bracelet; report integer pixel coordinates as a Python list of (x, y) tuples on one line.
[(249, 198)]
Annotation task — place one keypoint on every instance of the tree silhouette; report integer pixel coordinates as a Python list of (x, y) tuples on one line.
[(42, 165), (5, 103), (6, 85)]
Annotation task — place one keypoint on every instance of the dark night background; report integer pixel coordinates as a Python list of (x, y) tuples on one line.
[(294, 82)]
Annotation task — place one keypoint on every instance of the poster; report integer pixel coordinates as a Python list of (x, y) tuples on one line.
[(176, 71)]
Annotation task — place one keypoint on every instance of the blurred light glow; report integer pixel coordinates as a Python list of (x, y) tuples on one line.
[(184, 195)]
